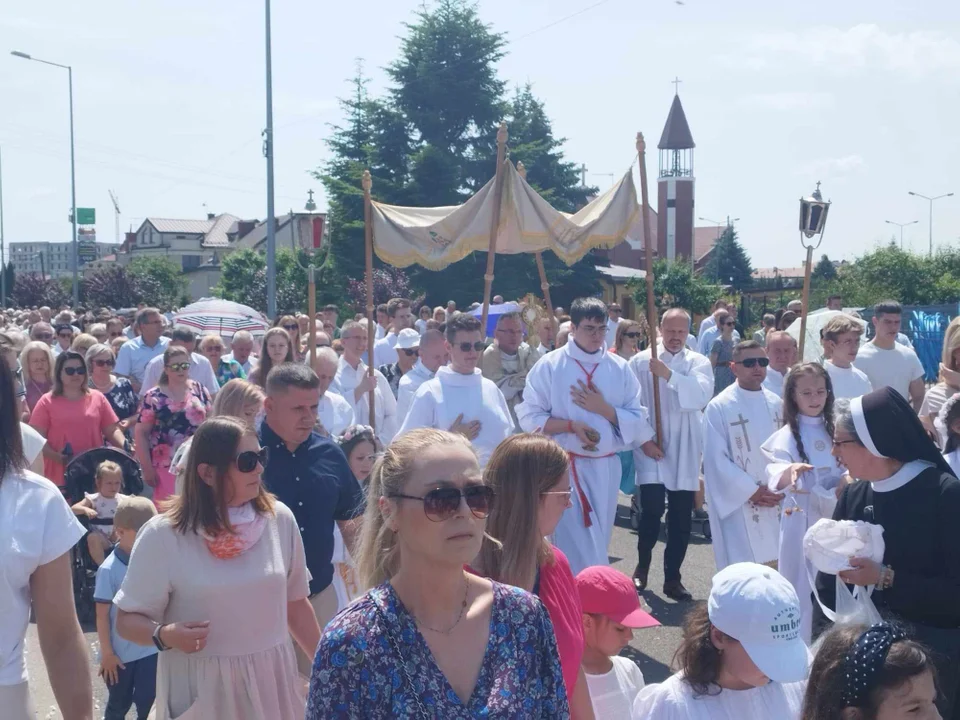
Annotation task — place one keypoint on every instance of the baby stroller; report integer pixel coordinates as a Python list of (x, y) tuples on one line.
[(80, 476)]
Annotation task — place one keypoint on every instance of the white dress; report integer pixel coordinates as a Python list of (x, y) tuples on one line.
[(801, 510), (613, 693), (674, 699)]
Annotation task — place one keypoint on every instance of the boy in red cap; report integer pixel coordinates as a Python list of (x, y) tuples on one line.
[(611, 612)]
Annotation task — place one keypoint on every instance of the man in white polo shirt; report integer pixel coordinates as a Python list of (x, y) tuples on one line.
[(888, 363)]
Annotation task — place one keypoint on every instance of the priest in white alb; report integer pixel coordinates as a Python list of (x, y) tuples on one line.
[(686, 386), (589, 400), (459, 398), (744, 513), (334, 414), (354, 383), (783, 354)]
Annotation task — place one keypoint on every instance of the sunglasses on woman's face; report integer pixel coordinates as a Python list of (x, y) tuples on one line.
[(291, 328), (71, 371), (104, 363), (412, 353), (247, 461), (178, 367), (442, 503), (633, 335), (753, 362), (467, 347)]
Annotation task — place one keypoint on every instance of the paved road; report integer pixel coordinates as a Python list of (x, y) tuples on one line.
[(651, 649)]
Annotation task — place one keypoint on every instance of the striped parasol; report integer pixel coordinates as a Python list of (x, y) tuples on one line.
[(223, 317)]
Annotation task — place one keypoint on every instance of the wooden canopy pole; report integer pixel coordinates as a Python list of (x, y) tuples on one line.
[(544, 285), (367, 183), (806, 301), (494, 225), (312, 312), (651, 300)]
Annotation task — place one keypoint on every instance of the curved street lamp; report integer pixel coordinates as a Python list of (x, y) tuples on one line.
[(813, 219)]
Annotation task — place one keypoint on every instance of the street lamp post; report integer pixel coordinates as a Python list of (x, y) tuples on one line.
[(268, 152), (901, 226), (931, 200), (813, 219), (728, 223), (73, 174)]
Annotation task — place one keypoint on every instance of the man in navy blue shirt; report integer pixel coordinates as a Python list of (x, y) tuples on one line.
[(309, 473)]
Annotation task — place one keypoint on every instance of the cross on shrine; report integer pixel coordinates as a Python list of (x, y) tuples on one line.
[(676, 83), (746, 436)]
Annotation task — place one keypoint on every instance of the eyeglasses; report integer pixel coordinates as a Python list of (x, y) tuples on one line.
[(71, 371), (593, 329), (442, 503), (215, 348), (412, 352), (104, 363), (753, 362), (565, 493), (291, 328), (633, 335), (730, 324), (178, 367), (467, 347), (838, 443), (248, 460)]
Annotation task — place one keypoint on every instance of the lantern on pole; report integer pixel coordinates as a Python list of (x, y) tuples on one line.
[(813, 219)]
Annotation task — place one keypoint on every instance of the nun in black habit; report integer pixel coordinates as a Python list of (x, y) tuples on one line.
[(904, 485)]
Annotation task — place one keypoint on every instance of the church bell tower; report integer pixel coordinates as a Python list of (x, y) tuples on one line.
[(675, 186)]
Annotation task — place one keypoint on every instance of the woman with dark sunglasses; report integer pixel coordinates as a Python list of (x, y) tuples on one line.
[(117, 390), (72, 417), (421, 638), (172, 411), (530, 476), (631, 338), (721, 353), (292, 326), (219, 584)]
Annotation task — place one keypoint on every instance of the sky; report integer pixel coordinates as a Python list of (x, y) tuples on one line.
[(169, 105)]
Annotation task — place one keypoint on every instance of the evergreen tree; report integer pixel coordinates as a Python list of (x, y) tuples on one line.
[(729, 262), (823, 271), (676, 285), (11, 280)]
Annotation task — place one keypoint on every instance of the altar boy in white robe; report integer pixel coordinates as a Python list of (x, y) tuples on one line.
[(802, 466), (744, 512), (686, 386), (589, 400), (459, 398)]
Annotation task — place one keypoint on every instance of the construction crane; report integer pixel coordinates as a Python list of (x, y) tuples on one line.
[(116, 215)]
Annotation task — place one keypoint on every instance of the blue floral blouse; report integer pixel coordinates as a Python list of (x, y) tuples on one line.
[(358, 674)]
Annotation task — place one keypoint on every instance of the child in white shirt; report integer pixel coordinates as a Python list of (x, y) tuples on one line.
[(101, 506), (611, 612)]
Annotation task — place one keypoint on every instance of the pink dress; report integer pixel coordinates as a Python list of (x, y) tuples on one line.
[(78, 422), (248, 669)]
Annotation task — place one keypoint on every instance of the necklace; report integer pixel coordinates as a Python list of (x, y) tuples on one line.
[(463, 607)]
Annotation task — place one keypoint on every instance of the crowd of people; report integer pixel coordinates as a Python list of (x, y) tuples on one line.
[(420, 528)]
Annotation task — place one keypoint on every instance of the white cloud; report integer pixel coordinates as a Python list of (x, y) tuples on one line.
[(860, 47), (781, 101), (827, 168)]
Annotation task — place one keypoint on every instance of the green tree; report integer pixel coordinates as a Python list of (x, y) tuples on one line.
[(33, 289), (823, 271), (889, 272), (10, 277), (675, 284), (243, 279), (729, 262), (159, 280), (112, 286)]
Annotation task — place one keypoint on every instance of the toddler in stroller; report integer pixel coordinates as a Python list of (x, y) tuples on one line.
[(80, 478), (100, 507)]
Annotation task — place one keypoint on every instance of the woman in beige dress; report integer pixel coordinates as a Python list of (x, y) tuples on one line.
[(219, 583)]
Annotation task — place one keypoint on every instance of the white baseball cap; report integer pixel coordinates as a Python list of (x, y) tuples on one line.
[(407, 339), (759, 608)]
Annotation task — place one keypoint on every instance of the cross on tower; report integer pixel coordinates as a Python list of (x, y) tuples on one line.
[(746, 436), (676, 83)]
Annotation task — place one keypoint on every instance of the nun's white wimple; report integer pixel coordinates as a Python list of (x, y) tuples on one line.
[(860, 423)]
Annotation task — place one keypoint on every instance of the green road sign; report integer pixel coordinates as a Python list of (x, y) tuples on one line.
[(86, 216)]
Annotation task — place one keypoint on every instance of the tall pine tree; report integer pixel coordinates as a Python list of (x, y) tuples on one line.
[(729, 263)]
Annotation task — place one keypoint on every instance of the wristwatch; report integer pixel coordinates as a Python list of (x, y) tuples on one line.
[(156, 638)]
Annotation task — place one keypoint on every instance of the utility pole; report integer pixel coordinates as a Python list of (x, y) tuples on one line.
[(930, 200), (116, 215), (268, 152)]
